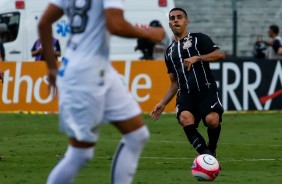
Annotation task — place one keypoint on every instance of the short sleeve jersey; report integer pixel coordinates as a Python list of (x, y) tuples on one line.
[(272, 51), (199, 77), (89, 38), (276, 44)]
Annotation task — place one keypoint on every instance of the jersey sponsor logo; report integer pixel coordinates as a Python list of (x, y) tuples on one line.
[(63, 28)]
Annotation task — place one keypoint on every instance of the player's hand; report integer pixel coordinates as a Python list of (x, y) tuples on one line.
[(142, 26), (156, 34), (1, 75), (188, 62), (39, 51), (52, 76), (157, 111)]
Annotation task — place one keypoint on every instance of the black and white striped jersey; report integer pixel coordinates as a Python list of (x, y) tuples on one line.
[(199, 76)]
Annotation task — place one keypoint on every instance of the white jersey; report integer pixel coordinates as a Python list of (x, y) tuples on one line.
[(89, 38), (90, 89), (271, 54)]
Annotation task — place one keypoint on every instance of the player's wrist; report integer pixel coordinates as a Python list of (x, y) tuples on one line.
[(199, 58), (162, 103)]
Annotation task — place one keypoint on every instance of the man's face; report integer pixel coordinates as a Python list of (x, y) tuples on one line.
[(271, 34), (178, 22)]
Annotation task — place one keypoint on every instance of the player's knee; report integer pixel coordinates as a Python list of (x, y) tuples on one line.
[(81, 156), (212, 120), (143, 135), (137, 138), (186, 118), (89, 157)]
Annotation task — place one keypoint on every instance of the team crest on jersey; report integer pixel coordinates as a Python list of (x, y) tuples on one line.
[(187, 44)]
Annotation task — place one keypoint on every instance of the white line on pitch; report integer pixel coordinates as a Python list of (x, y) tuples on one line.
[(172, 142), (185, 142), (223, 160), (169, 158)]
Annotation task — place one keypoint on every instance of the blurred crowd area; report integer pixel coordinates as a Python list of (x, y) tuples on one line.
[(215, 18)]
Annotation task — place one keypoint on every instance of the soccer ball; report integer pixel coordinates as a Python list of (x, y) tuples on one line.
[(205, 167)]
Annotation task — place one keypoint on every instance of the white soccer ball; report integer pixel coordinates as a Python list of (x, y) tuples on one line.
[(205, 167)]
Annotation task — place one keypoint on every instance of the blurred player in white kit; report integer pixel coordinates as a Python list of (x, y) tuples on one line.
[(90, 90)]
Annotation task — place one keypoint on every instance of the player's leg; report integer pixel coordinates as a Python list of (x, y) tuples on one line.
[(211, 110), (134, 136), (80, 116), (125, 114), (190, 124), (78, 154), (213, 130), (188, 118), (82, 88)]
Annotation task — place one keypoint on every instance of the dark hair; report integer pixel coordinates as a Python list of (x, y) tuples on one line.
[(180, 9), (155, 23), (274, 28)]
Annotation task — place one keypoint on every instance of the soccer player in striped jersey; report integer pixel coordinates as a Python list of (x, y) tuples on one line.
[(90, 89), (187, 60)]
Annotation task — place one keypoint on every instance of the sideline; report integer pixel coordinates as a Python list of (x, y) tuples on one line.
[(148, 113)]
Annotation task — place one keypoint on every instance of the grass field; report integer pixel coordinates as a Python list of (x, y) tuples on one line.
[(250, 150)]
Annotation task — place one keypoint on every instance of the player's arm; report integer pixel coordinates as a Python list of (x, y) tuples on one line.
[(118, 25), (1, 75), (172, 90), (51, 14), (209, 52), (268, 43), (276, 45), (280, 51), (216, 55)]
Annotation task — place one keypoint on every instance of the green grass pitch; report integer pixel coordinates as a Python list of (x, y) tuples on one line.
[(250, 150)]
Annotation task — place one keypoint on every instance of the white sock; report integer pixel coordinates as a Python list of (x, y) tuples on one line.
[(74, 160), (127, 155)]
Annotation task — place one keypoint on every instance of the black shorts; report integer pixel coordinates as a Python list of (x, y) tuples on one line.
[(200, 104)]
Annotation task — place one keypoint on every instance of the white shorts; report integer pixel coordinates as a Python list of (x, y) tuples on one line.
[(84, 104)]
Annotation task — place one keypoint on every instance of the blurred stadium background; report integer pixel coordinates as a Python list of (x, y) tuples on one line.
[(215, 18), (251, 141)]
